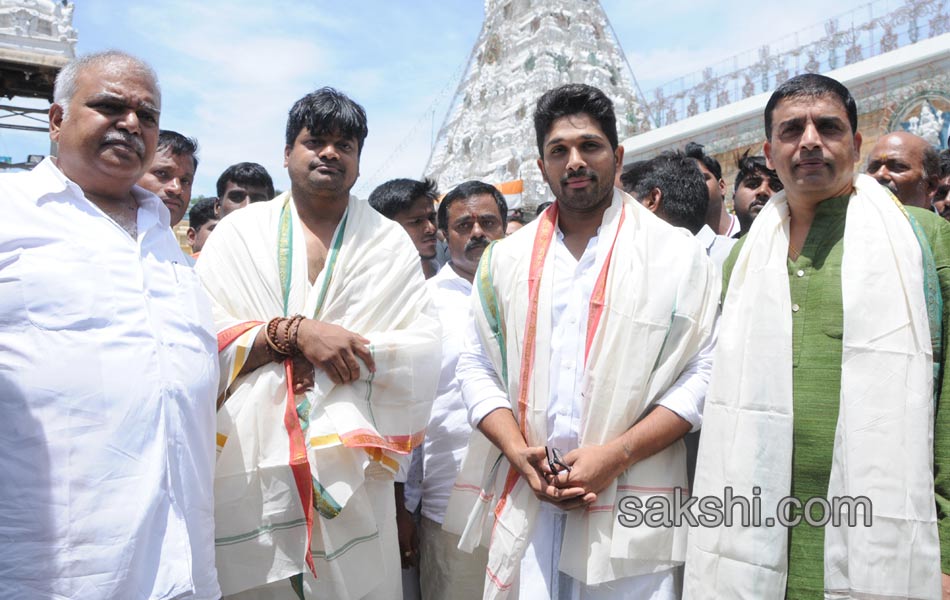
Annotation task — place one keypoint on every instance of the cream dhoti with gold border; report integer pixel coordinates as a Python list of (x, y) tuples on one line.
[(293, 473), (653, 308)]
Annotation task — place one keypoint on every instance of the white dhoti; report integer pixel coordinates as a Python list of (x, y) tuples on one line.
[(303, 484)]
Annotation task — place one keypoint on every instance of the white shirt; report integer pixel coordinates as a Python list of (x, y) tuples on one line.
[(573, 282), (573, 285), (448, 432), (734, 226), (108, 375), (717, 247)]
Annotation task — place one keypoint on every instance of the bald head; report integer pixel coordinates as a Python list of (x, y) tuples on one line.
[(907, 165), (104, 121), (109, 61)]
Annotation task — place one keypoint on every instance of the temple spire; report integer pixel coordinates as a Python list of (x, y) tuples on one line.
[(525, 48)]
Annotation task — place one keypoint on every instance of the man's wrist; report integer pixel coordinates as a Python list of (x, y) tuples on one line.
[(623, 448)]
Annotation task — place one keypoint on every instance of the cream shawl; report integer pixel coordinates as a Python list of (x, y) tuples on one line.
[(653, 308), (884, 435), (287, 461)]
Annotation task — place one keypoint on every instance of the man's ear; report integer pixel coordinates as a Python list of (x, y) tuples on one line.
[(767, 151), (55, 121), (543, 174), (932, 183), (287, 150), (653, 200), (192, 236)]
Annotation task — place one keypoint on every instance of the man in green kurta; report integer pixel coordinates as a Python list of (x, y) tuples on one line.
[(813, 144)]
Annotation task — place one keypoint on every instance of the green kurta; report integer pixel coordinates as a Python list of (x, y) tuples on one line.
[(817, 317)]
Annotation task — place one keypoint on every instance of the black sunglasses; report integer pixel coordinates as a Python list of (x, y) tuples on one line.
[(555, 461)]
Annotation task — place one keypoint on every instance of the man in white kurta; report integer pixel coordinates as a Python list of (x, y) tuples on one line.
[(592, 332), (470, 217), (319, 411), (107, 363)]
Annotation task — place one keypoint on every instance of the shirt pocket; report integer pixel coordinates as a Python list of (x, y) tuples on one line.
[(832, 311), (61, 293)]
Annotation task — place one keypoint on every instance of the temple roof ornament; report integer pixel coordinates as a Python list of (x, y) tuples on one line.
[(843, 40), (525, 48), (38, 26)]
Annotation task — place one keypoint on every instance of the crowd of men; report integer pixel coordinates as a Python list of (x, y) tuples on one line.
[(427, 395)]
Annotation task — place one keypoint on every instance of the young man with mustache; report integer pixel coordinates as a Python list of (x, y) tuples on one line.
[(172, 172), (585, 364), (471, 216), (329, 347), (755, 183)]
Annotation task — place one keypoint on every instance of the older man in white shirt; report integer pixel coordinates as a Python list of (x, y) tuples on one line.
[(108, 367)]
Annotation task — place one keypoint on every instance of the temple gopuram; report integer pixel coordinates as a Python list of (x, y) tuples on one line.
[(36, 40), (895, 61), (894, 56)]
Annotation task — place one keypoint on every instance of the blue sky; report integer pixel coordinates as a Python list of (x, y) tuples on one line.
[(230, 69)]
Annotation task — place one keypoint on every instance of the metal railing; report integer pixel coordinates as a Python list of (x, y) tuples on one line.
[(872, 29)]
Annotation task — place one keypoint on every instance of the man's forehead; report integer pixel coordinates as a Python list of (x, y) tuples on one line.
[(759, 175), (165, 156), (577, 121), (116, 81), (825, 105), (326, 132), (421, 205), (232, 185), (898, 144)]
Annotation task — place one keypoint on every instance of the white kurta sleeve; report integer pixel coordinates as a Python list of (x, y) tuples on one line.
[(687, 396), (482, 390)]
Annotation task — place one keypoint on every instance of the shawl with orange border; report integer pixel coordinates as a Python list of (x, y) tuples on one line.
[(652, 309), (290, 470)]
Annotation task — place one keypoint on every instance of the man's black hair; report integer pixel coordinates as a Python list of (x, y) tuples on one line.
[(200, 213), (246, 173), (572, 99), (811, 85), (754, 165), (930, 163), (685, 195), (327, 111), (944, 157), (541, 207), (178, 144), (397, 195), (696, 152), (466, 190), (632, 173)]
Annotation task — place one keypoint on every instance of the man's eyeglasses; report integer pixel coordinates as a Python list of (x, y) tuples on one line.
[(556, 461)]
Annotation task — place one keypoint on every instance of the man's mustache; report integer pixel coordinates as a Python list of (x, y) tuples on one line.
[(476, 243), (121, 137), (592, 175)]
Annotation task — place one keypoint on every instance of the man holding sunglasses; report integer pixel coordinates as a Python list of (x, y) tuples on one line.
[(591, 338)]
